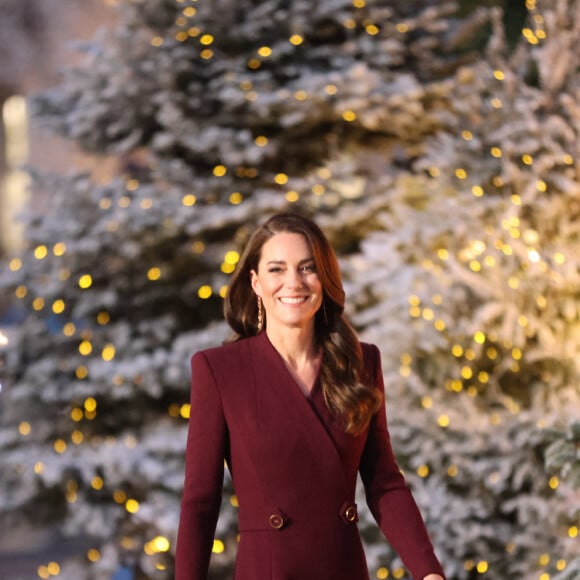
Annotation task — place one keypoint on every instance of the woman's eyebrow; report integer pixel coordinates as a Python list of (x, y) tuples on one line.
[(303, 261)]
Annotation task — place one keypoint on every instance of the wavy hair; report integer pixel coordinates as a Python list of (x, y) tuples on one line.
[(341, 369)]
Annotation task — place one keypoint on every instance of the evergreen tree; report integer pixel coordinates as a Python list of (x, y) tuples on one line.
[(378, 117), (471, 289)]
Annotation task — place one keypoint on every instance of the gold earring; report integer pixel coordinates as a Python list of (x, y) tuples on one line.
[(260, 315)]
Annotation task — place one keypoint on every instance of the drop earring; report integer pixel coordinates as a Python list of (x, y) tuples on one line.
[(260, 315)]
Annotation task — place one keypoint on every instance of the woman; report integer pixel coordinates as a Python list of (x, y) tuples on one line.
[(294, 404)]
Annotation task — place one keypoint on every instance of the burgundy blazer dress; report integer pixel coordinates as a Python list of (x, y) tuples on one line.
[(294, 471)]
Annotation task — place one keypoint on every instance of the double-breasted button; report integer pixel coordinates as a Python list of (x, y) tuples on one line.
[(277, 521), (349, 513)]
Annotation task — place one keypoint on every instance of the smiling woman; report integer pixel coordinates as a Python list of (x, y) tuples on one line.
[(286, 281), (310, 335), (293, 403), (287, 284)]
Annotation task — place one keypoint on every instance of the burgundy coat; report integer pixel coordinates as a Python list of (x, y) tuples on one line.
[(294, 472)]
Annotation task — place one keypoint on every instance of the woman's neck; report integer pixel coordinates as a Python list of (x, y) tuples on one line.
[(297, 346), (300, 354)]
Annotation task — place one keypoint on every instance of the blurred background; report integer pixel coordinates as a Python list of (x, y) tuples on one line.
[(436, 143)]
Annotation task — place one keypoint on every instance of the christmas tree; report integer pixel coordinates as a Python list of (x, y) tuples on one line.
[(439, 154), (471, 289)]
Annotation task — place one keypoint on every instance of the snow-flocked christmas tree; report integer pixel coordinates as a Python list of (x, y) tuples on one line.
[(439, 156)]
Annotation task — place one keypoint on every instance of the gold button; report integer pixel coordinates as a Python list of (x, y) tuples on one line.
[(276, 521), (350, 513)]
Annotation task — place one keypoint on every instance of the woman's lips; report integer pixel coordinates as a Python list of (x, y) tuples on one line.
[(293, 299)]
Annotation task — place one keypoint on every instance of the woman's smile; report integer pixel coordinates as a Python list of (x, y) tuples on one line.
[(287, 282), (293, 299)]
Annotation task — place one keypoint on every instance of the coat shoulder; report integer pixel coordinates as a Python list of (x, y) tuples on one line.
[(227, 349), (231, 357), (372, 366), (370, 352)]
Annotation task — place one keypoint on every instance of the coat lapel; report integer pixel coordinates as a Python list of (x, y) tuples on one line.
[(284, 411)]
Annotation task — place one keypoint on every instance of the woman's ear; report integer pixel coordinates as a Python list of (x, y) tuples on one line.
[(255, 282)]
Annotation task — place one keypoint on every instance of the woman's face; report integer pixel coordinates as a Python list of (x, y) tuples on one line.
[(287, 282)]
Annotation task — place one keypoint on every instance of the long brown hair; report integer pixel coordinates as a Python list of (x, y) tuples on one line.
[(341, 367)]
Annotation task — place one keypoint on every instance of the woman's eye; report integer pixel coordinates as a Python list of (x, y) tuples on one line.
[(276, 269), (309, 268)]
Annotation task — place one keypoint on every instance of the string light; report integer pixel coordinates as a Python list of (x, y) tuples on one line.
[(60, 446), (108, 352), (132, 506), (204, 292), (97, 483), (40, 252), (160, 544), (45, 572), (76, 414), (59, 249), (423, 471), (236, 198), (85, 281), (157, 545)]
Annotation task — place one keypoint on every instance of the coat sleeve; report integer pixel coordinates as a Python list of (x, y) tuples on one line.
[(204, 470), (387, 494)]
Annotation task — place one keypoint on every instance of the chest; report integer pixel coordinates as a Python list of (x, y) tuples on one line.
[(275, 426)]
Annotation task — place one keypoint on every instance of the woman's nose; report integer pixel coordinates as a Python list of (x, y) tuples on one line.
[(294, 279)]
